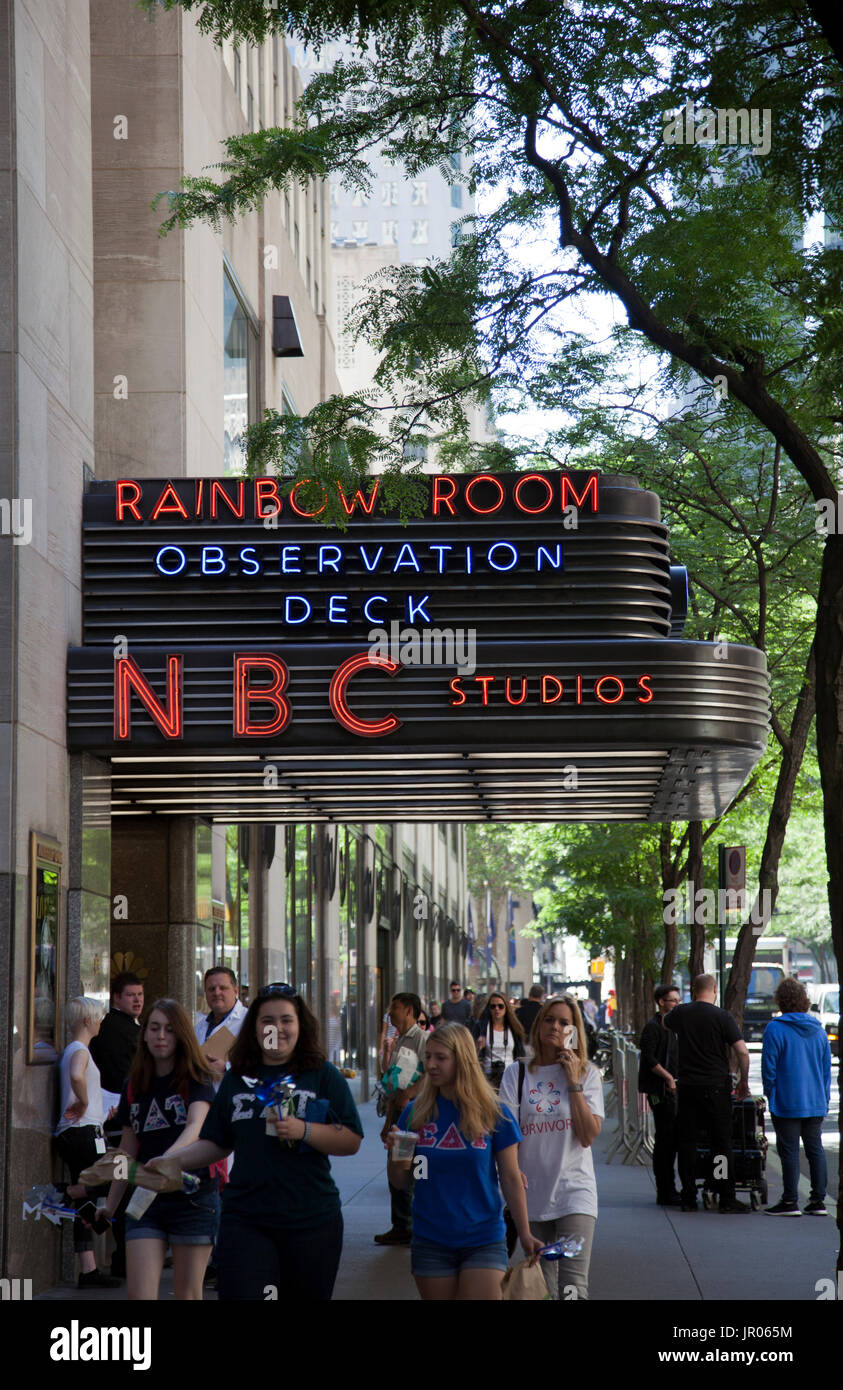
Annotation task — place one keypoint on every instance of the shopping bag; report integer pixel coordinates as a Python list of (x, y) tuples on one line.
[(138, 1176), (524, 1282)]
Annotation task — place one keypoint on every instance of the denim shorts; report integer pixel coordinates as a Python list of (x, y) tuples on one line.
[(439, 1261), (178, 1219)]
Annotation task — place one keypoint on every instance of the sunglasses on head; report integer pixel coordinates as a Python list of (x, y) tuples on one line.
[(279, 990)]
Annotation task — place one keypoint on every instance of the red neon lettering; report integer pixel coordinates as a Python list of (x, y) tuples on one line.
[(604, 698), (365, 728), (485, 681), (484, 478), (535, 478), (642, 685), (551, 699), (579, 690), (300, 510), (444, 497), (266, 489), (590, 487), (458, 690), (350, 507), (200, 492), (245, 695), (128, 504), (174, 505), (218, 493), (127, 677), (523, 691)]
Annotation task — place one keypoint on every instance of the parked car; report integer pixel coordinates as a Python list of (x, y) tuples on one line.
[(825, 1001)]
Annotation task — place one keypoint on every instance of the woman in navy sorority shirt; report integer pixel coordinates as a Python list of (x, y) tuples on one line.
[(281, 1229), (469, 1142)]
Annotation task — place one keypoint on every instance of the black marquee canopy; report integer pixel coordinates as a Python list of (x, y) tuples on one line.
[(513, 653)]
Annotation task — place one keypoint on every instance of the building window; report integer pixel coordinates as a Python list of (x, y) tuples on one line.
[(250, 107), (419, 193), (419, 234), (297, 243), (240, 372), (389, 233), (360, 231), (456, 195), (238, 72), (276, 100), (389, 193)]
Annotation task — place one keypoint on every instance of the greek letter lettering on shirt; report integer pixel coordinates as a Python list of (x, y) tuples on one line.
[(451, 1139), (243, 1103)]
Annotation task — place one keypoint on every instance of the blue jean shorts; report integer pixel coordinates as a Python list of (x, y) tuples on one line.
[(440, 1261), (178, 1218)]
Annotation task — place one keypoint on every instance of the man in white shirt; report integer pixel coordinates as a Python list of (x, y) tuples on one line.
[(225, 1008)]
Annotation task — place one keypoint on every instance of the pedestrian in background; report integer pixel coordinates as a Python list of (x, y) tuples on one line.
[(558, 1100), (80, 1138), (281, 1227), (224, 1007), (470, 1144), (704, 1082), (436, 1015), (499, 1038), (408, 1055), (529, 1008), (796, 1073), (456, 1009), (657, 1080), (113, 1050)]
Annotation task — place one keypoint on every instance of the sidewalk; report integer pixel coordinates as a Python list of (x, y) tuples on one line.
[(641, 1251)]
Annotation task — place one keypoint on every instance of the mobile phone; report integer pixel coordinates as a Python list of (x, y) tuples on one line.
[(570, 1040)]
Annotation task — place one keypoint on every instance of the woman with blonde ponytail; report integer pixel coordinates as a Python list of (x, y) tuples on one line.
[(468, 1143)]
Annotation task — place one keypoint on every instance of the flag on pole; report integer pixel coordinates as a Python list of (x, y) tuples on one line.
[(470, 953), (511, 931)]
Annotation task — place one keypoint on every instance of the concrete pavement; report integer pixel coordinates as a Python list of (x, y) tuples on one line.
[(641, 1251)]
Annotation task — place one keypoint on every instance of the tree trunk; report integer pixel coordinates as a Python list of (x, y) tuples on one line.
[(670, 880), (793, 752), (696, 955), (829, 645)]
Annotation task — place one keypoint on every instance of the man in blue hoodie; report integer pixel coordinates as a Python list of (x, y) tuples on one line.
[(796, 1070)]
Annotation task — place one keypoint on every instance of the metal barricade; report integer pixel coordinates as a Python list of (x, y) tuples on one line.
[(635, 1133)]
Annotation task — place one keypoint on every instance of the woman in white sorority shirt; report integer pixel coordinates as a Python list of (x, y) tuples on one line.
[(560, 1111)]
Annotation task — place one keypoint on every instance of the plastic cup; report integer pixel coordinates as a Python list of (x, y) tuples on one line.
[(405, 1144)]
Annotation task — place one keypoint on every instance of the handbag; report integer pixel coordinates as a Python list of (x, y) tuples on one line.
[(524, 1283)]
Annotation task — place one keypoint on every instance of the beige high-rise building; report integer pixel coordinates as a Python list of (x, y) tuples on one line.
[(126, 354)]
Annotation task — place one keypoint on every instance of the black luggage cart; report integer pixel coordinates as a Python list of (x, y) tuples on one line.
[(749, 1150)]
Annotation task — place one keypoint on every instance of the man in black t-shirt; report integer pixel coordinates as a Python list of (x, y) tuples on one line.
[(657, 1080), (705, 1035)]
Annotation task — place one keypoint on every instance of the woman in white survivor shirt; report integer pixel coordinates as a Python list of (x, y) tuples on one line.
[(560, 1113)]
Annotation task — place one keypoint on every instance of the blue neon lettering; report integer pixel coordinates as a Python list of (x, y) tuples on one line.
[(176, 551), (337, 609), (296, 598), (543, 551), (248, 557), (289, 559), (213, 560), (416, 606), (502, 545), (412, 563), (468, 559), (441, 549), (373, 598), (325, 560), (364, 557)]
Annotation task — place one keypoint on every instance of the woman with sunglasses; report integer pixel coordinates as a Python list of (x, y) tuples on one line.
[(499, 1037), (281, 1227), (557, 1098)]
